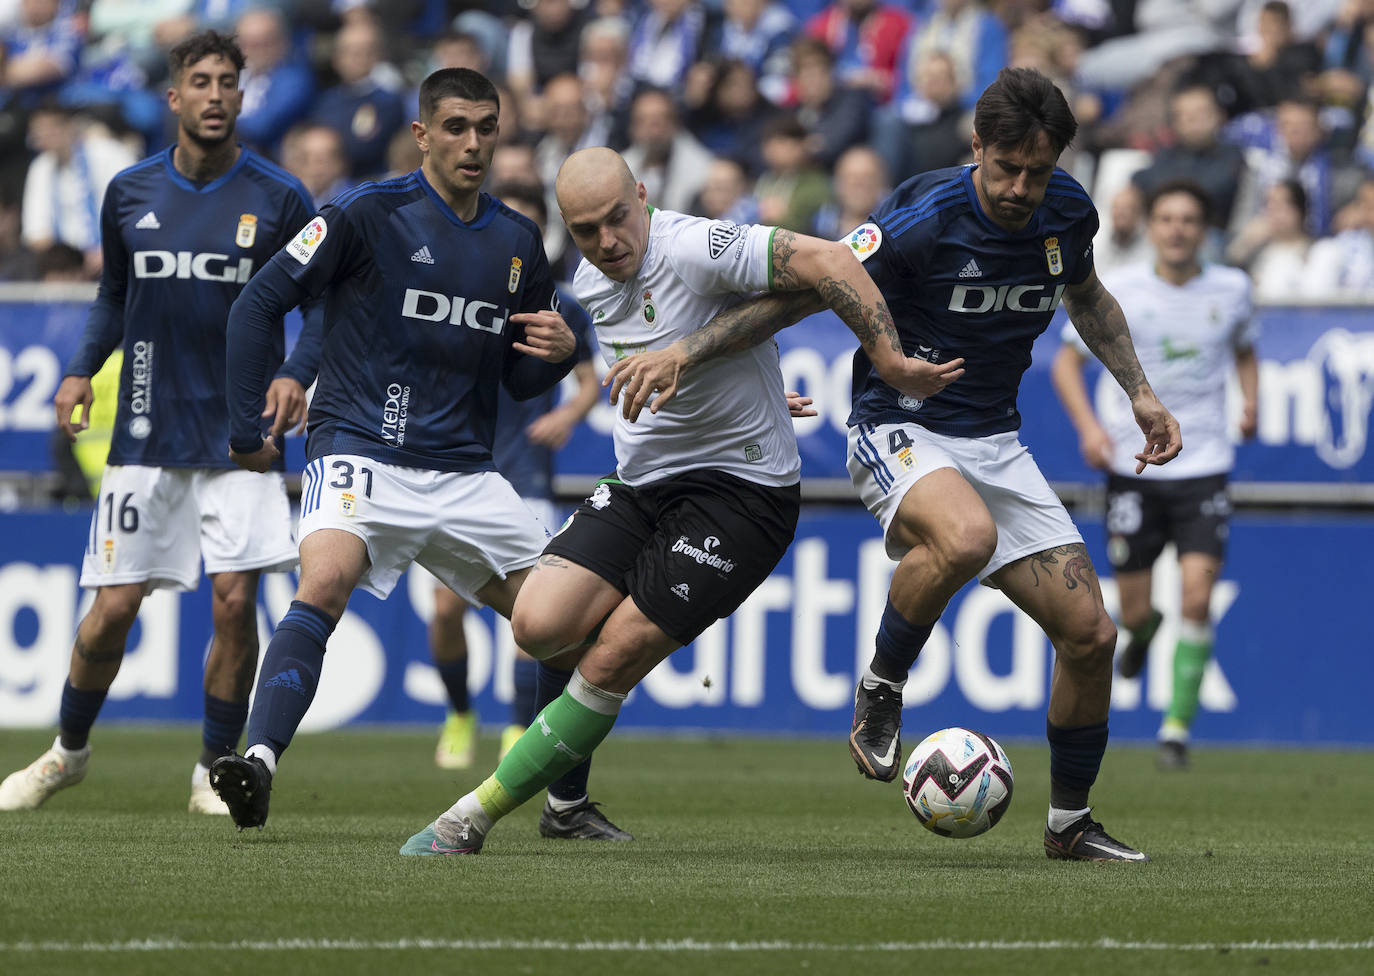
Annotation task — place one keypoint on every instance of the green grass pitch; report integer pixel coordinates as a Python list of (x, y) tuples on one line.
[(751, 856)]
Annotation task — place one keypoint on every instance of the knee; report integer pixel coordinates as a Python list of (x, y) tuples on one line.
[(1088, 641), (540, 635), (236, 610), (967, 545), (115, 609)]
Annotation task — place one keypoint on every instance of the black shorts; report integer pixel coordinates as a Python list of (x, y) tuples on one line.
[(1144, 515), (689, 549)]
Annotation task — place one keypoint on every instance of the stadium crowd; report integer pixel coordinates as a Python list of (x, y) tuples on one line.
[(798, 113)]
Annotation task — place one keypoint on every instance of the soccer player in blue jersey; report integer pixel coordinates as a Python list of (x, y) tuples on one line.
[(181, 232), (973, 262), (436, 295)]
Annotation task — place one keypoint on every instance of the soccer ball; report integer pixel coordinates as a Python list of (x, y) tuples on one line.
[(958, 783)]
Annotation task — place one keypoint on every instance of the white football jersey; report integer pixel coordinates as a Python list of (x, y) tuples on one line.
[(729, 414), (1186, 337)]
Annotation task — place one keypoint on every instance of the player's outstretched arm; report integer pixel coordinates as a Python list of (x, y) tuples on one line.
[(1099, 320), (1066, 374), (1247, 372)]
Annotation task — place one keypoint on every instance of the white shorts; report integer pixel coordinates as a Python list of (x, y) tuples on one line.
[(885, 460), (152, 525), (463, 528)]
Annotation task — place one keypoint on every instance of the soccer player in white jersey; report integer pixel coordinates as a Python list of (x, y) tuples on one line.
[(973, 261), (181, 232), (1193, 326), (705, 496)]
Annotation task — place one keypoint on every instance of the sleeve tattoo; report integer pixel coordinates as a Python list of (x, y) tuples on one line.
[(1099, 320)]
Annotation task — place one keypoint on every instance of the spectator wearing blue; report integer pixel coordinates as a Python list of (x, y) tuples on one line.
[(39, 51), (544, 46), (365, 107), (759, 33), (314, 154), (927, 128), (1198, 154), (866, 37), (835, 117), (732, 113), (277, 87), (973, 37), (667, 40), (1290, 145)]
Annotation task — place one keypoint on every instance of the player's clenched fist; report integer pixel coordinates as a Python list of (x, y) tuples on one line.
[(547, 336), (74, 392)]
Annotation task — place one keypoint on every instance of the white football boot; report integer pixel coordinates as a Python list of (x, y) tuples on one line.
[(55, 770), (203, 797)]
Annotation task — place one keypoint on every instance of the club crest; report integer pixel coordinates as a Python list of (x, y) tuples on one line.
[(513, 282), (248, 230), (1053, 256)]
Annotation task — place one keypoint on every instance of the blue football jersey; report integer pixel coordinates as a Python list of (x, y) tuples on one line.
[(958, 284), (529, 467), (417, 330), (176, 256)]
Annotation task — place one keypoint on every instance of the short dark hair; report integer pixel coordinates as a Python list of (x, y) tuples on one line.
[(1280, 8), (464, 83), (1297, 193), (529, 195), (203, 45), (1189, 188), (1018, 106)]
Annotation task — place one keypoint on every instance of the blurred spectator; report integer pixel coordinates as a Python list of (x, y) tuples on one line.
[(1273, 245), (1290, 145), (604, 69), (1279, 65), (667, 160), (403, 154), (726, 194), (544, 46), (866, 37), (834, 117), (566, 130), (974, 39), (59, 262), (1348, 64), (17, 262), (791, 189), (459, 50), (1343, 266), (366, 106), (39, 52), (277, 87), (758, 33), (860, 183), (66, 182), (1198, 154), (143, 31), (924, 128), (667, 40), (730, 115), (316, 155), (1121, 240), (513, 162)]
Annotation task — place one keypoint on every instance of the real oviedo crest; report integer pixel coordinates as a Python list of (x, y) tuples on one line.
[(1053, 256)]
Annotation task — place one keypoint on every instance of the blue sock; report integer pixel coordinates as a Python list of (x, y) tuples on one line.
[(290, 672), (572, 785), (221, 728), (454, 675), (526, 690), (1075, 757), (898, 644), (77, 714)]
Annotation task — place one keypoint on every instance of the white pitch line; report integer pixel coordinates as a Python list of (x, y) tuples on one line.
[(673, 945)]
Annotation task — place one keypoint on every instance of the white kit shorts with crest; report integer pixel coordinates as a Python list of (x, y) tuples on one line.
[(885, 460), (465, 528), (152, 525)]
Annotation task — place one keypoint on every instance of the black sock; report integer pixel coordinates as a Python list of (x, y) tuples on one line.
[(1075, 757), (526, 691), (289, 676), (454, 675), (221, 727), (77, 714), (898, 644)]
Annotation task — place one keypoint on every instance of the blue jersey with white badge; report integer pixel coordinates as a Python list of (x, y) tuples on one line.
[(957, 285), (418, 336), (176, 256)]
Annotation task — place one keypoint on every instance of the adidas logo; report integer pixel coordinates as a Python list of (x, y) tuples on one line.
[(148, 222), (286, 679), (971, 270), (422, 256), (682, 590)]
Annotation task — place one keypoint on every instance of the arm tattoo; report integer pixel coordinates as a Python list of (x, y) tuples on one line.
[(97, 655), (784, 275), (1100, 321), (868, 323), (1077, 567), (745, 325)]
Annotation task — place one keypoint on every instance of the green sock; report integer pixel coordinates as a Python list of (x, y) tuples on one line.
[(1190, 660), (561, 737)]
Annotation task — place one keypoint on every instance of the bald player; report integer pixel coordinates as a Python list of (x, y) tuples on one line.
[(705, 496)]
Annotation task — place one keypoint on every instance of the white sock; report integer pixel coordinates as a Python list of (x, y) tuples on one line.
[(264, 753), (563, 806), (469, 808), (1059, 819), (69, 754), (871, 681), (200, 774)]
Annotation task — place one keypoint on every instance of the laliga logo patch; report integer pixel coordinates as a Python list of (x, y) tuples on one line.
[(513, 282), (650, 313), (248, 230), (864, 240), (1053, 256), (303, 245)]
